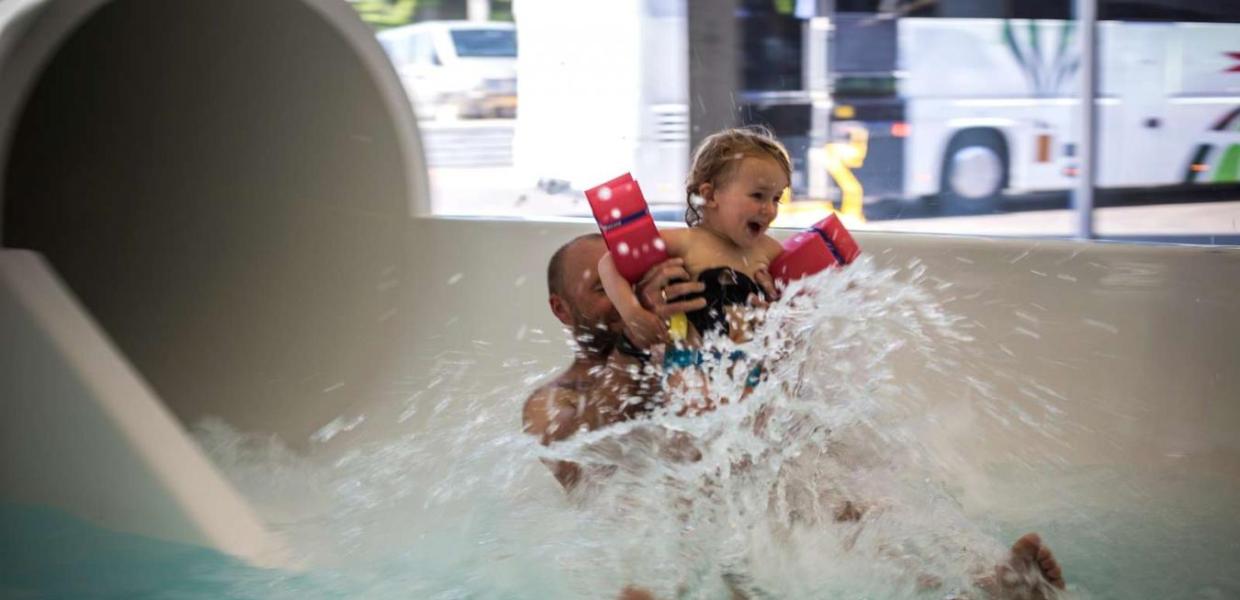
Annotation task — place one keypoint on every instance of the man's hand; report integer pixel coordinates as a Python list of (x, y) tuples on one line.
[(663, 284), (764, 280)]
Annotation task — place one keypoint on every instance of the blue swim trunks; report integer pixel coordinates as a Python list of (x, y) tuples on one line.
[(678, 357)]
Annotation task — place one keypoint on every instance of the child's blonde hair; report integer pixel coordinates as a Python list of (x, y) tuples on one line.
[(719, 155)]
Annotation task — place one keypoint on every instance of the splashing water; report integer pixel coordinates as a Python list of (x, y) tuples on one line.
[(817, 482), (882, 451), (837, 475)]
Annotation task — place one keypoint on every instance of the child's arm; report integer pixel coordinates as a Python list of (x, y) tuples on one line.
[(644, 327)]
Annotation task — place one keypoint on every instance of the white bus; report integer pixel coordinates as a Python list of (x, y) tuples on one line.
[(966, 109)]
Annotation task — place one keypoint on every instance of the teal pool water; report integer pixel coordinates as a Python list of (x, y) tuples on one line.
[(48, 554), (458, 505), (1135, 532), (1120, 533)]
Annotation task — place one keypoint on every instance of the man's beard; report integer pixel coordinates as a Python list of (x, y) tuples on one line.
[(598, 339)]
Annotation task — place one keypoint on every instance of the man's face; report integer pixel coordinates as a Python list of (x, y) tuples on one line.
[(594, 320)]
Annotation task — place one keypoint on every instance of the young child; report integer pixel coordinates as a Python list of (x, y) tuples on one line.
[(733, 193)]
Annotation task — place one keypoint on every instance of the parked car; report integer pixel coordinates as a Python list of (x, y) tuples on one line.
[(454, 69)]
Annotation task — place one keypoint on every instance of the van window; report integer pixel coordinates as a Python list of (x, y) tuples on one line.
[(399, 48), (485, 43), (423, 52)]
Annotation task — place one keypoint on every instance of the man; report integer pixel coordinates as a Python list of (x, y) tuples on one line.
[(599, 387)]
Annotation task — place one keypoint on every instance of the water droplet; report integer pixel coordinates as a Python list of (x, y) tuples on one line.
[(453, 280), (336, 427), (1109, 328)]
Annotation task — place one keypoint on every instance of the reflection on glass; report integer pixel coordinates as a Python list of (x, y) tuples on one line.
[(485, 43), (967, 109)]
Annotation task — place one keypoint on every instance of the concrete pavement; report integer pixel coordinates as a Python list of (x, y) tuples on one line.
[(503, 192)]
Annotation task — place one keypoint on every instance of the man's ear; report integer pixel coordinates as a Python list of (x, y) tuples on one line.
[(559, 307)]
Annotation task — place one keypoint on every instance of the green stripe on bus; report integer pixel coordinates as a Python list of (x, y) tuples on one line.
[(1228, 166), (1200, 157)]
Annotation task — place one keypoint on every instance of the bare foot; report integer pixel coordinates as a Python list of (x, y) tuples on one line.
[(1031, 572), (1030, 550), (635, 593)]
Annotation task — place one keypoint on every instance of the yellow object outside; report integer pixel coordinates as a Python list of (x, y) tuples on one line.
[(841, 158), (380, 13), (802, 213)]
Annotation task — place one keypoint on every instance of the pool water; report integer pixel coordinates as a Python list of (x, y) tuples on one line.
[(1135, 532), (457, 505), (1182, 545)]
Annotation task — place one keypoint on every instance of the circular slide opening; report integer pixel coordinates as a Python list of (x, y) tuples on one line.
[(225, 186)]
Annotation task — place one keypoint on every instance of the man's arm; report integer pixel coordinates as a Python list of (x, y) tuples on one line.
[(550, 420)]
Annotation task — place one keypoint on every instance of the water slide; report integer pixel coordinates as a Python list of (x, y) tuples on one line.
[(218, 195), (218, 209)]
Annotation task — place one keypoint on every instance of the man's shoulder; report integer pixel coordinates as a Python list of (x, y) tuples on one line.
[(541, 398), (547, 401), (551, 411)]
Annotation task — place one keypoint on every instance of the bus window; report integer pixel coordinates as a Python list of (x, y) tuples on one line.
[(1196, 11), (962, 9)]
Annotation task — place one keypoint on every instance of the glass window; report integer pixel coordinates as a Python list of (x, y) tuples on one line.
[(399, 46), (1197, 11), (485, 43), (952, 116), (956, 9), (772, 45), (423, 50)]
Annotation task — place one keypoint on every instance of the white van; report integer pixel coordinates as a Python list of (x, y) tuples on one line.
[(456, 69)]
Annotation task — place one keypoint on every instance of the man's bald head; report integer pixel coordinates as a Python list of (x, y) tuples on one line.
[(555, 267), (576, 294)]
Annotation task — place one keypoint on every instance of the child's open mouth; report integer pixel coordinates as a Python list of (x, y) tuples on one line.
[(755, 228)]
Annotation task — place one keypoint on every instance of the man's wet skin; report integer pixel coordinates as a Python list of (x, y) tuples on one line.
[(579, 302), (597, 388)]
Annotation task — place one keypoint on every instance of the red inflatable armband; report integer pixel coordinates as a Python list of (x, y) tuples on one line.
[(826, 244), (624, 218)]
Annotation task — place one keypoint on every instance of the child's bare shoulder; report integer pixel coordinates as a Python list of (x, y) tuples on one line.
[(770, 248), (678, 240)]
